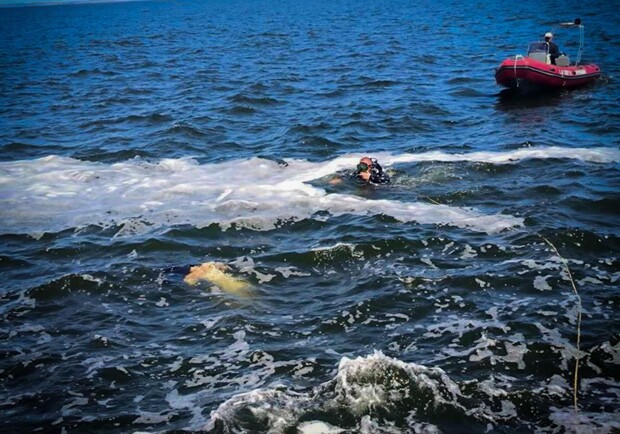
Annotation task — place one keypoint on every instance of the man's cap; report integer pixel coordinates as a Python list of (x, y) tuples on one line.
[(548, 35)]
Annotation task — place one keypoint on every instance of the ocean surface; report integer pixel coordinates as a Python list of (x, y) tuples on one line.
[(478, 292)]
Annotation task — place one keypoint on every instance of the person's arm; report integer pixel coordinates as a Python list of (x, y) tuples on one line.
[(366, 176)]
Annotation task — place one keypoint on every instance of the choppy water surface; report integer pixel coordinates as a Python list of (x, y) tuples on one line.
[(141, 139)]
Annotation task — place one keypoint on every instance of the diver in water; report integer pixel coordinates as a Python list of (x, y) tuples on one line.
[(370, 171)]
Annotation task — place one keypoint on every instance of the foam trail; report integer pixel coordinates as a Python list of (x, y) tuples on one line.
[(594, 155), (54, 193), (346, 162), (338, 204)]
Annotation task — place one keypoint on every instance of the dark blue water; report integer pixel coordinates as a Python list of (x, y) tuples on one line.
[(140, 139)]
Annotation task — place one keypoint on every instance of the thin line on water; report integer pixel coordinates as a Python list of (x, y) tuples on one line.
[(432, 200), (577, 354)]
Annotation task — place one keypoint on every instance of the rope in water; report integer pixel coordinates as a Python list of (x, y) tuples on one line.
[(432, 200), (578, 343), (572, 281)]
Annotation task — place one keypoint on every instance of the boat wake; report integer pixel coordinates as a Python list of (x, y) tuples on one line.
[(54, 194)]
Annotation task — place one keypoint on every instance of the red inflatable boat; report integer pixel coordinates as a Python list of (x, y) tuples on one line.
[(536, 70), (527, 71)]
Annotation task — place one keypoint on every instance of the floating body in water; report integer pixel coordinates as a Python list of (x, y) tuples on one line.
[(218, 274)]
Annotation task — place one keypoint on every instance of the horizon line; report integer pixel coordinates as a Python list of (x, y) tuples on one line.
[(37, 3)]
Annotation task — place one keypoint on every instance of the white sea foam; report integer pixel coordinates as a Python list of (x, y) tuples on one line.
[(568, 420), (318, 427), (613, 351), (468, 252), (179, 402), (54, 193), (152, 418), (287, 272), (57, 193), (360, 387), (540, 283), (594, 155), (376, 384)]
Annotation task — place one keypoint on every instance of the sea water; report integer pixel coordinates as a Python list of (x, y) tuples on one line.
[(138, 139)]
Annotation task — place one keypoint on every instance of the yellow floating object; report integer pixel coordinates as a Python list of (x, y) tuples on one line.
[(216, 273)]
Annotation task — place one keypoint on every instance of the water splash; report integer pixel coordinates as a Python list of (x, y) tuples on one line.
[(54, 193)]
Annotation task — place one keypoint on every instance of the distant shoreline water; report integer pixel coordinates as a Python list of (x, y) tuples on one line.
[(35, 3)]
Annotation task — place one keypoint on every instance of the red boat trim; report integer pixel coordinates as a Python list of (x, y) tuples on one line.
[(550, 74)]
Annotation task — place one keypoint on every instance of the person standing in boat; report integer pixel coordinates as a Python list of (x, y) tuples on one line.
[(554, 51)]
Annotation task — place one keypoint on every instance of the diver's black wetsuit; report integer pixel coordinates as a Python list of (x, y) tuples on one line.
[(377, 175)]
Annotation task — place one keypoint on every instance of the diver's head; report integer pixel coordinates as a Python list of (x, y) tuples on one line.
[(548, 36), (364, 164)]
